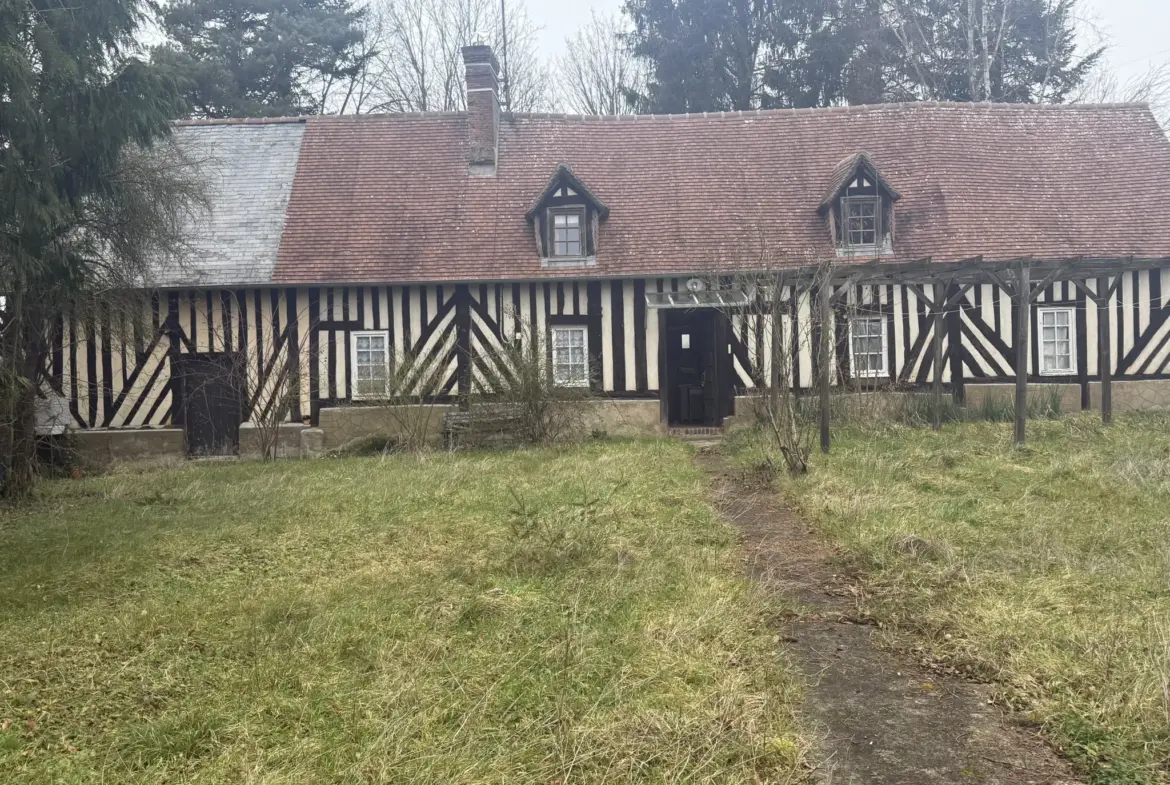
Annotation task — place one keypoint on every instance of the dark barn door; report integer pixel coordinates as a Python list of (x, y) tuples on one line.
[(212, 403), (695, 378)]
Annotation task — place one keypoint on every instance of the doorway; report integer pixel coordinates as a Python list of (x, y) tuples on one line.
[(696, 387), (212, 403)]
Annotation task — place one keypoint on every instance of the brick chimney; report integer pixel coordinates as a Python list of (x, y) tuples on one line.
[(483, 108)]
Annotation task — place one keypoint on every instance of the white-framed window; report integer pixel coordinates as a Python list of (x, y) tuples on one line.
[(567, 236), (867, 343), (369, 365), (1058, 346), (861, 221), (570, 355)]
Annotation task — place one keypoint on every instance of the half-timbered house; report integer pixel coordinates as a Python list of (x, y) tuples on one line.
[(346, 242)]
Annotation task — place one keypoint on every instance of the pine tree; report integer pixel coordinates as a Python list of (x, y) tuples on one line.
[(703, 55), (262, 58), (741, 54), (84, 203)]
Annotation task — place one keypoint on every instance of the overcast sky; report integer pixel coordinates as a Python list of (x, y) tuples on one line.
[(1137, 29)]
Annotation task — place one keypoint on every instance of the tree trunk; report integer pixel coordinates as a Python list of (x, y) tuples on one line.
[(972, 78), (986, 53)]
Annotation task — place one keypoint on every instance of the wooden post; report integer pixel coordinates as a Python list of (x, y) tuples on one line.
[(776, 352), (826, 353), (1104, 350), (939, 303), (1023, 322)]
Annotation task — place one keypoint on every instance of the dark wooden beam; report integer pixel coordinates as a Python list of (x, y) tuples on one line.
[(845, 286), (1023, 321), (826, 352), (957, 297), (1089, 293), (1048, 280), (1105, 351), (922, 295), (939, 316)]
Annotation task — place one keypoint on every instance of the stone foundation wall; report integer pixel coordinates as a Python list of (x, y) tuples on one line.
[(624, 418), (1070, 394), (1134, 396), (100, 449), (287, 437), (344, 424)]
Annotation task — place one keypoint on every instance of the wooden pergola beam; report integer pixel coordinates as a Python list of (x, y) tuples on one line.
[(1105, 349), (1023, 322)]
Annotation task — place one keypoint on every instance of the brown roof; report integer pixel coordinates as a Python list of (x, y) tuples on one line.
[(388, 198)]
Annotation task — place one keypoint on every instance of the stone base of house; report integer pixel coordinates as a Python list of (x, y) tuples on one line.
[(1134, 396), (641, 417), (285, 440), (345, 424), (101, 449), (1128, 396), (977, 395)]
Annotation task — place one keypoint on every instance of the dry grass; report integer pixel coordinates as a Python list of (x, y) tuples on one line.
[(564, 616), (1046, 568)]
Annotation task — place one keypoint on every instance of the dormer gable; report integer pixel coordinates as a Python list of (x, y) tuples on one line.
[(566, 221), (859, 206)]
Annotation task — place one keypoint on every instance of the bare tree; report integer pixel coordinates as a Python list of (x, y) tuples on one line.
[(522, 393), (598, 73), (1151, 87), (417, 64)]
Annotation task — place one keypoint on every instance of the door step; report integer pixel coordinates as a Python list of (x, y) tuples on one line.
[(700, 433)]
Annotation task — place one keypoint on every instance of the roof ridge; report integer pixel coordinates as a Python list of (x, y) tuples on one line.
[(721, 115), (199, 121), (849, 109)]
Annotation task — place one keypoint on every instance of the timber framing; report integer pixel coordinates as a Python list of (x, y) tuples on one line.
[(953, 280)]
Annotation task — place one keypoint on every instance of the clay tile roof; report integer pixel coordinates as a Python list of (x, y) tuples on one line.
[(389, 199)]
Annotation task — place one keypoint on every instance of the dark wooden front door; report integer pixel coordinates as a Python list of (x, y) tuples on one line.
[(212, 403), (693, 387)]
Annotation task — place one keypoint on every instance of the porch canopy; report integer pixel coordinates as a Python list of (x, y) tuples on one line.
[(1023, 278)]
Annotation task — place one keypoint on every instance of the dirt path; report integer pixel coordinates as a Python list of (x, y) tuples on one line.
[(881, 719)]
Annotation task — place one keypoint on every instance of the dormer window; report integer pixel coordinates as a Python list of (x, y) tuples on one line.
[(567, 239), (859, 206), (566, 218)]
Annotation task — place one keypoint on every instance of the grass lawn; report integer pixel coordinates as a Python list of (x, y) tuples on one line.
[(557, 616), (1046, 568)]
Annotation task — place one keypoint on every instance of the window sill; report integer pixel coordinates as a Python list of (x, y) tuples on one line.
[(1060, 374), (867, 252), (568, 261)]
